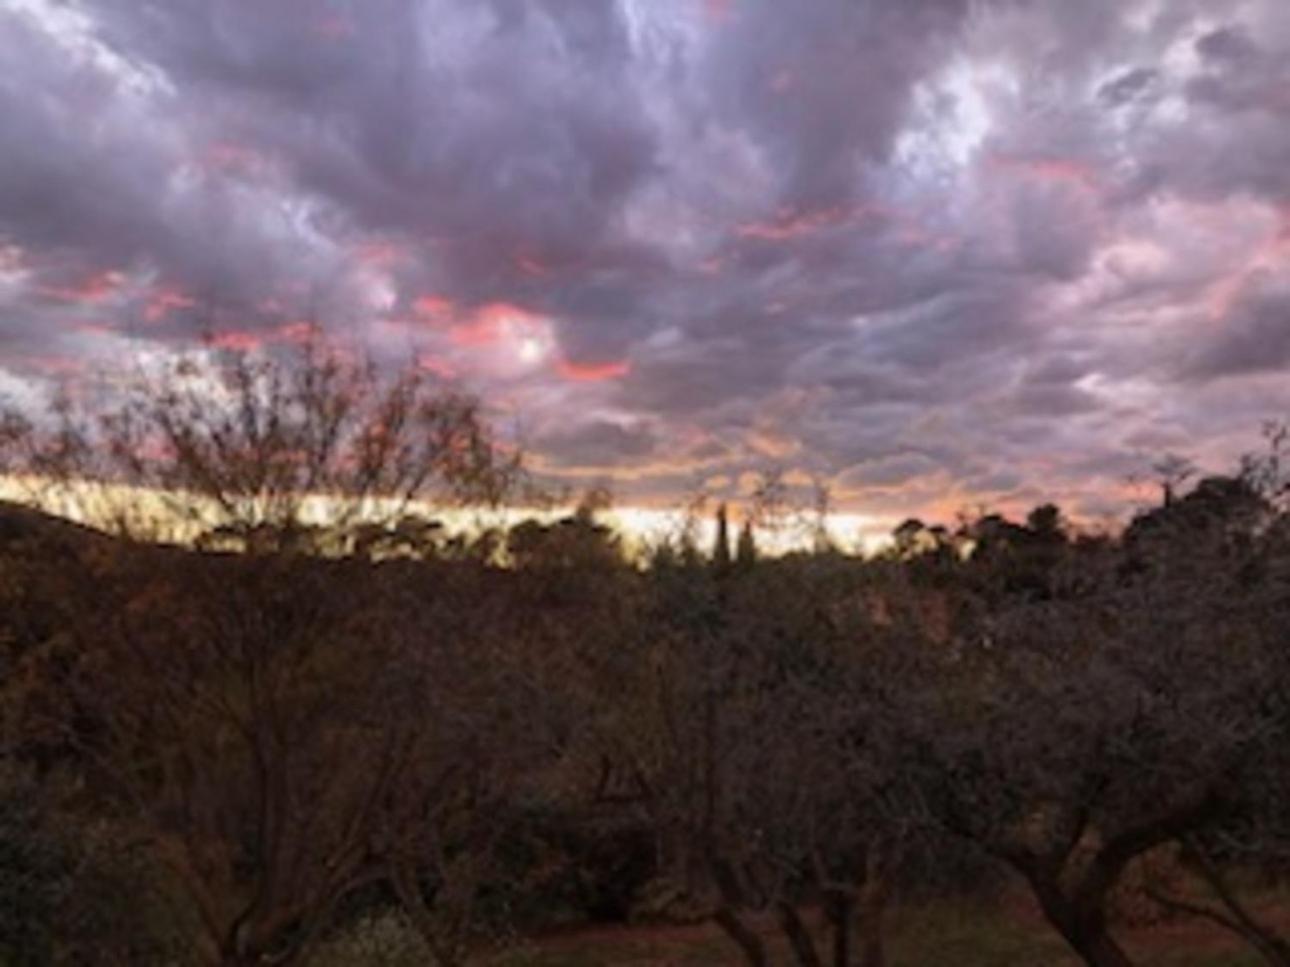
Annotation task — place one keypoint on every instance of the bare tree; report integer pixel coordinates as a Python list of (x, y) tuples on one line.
[(271, 723), (260, 452)]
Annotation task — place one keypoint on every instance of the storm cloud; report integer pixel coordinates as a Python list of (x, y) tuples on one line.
[(941, 253)]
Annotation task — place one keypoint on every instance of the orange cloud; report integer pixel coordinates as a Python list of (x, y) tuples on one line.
[(494, 322), (297, 331), (1222, 294), (769, 442), (436, 366), (531, 266), (380, 253), (434, 306), (235, 339), (91, 290), (593, 372), (164, 301), (56, 365), (712, 265), (1066, 170), (242, 340), (95, 328), (788, 223)]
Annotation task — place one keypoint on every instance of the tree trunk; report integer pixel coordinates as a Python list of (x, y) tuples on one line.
[(1098, 948), (1272, 949), (873, 904), (799, 938), (1269, 944), (237, 950), (404, 881), (1078, 911), (754, 950), (841, 908), (1081, 922)]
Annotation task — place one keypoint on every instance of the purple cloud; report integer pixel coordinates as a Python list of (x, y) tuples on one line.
[(939, 251)]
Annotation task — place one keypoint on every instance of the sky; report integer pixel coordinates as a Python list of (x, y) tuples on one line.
[(938, 254)]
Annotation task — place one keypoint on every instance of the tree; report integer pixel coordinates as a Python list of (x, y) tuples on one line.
[(721, 543), (579, 540), (1218, 508), (35, 873), (746, 547), (769, 506), (1090, 728), (263, 721), (263, 453), (909, 538), (1045, 522), (1172, 471), (755, 744)]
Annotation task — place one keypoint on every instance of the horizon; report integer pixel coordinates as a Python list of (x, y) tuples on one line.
[(640, 482), (96, 505), (794, 527)]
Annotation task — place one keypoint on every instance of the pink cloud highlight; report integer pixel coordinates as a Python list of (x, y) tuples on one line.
[(593, 372), (164, 301), (91, 290), (493, 323), (333, 27), (789, 224), (433, 307), (381, 254), (230, 158), (1051, 169), (718, 11)]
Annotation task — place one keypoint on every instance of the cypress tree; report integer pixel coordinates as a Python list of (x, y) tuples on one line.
[(746, 547), (721, 549)]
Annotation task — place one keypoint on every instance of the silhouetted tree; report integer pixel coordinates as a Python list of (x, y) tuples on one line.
[(746, 547), (257, 720), (1086, 730), (721, 543)]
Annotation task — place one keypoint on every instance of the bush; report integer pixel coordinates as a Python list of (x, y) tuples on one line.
[(72, 893), (35, 875), (376, 939)]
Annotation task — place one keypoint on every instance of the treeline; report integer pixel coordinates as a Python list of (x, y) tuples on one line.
[(250, 746)]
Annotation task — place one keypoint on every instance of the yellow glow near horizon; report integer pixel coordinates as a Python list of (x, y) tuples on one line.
[(641, 528)]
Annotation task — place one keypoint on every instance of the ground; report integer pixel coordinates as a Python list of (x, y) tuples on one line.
[(1010, 934)]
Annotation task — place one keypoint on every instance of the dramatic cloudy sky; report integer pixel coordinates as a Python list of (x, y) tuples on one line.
[(938, 252)]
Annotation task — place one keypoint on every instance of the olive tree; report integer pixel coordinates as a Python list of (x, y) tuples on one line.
[(1123, 713)]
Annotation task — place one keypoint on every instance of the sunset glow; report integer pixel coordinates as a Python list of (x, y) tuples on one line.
[(943, 254), (641, 482)]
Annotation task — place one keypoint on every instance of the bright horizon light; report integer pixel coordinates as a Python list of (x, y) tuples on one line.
[(641, 528)]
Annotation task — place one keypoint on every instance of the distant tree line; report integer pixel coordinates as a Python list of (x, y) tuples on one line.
[(238, 748)]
